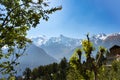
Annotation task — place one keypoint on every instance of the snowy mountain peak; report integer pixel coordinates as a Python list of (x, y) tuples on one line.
[(100, 36), (67, 41), (60, 46), (62, 40), (40, 40), (61, 36), (114, 34)]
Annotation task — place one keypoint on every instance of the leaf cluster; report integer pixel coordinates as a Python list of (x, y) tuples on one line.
[(16, 18)]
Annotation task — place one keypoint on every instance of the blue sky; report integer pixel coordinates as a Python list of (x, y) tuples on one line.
[(78, 17)]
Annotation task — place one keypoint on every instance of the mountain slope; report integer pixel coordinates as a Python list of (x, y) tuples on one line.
[(34, 57), (111, 40)]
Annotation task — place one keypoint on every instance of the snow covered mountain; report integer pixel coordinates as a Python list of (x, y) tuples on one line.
[(61, 46), (58, 47), (106, 40), (112, 39), (98, 39), (43, 40), (39, 40)]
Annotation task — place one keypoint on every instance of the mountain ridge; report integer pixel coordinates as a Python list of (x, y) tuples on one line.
[(61, 46)]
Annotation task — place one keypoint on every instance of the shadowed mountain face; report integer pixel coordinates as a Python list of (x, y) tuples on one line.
[(61, 46), (113, 39), (34, 57)]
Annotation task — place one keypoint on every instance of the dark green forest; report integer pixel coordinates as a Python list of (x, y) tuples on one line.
[(56, 72)]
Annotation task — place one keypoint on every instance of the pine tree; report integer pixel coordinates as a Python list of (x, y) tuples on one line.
[(27, 74)]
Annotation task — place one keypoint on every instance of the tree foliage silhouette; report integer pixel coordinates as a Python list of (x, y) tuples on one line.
[(27, 74), (16, 18), (54, 71), (89, 68)]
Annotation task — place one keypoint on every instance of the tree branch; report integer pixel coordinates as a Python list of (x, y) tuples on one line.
[(6, 18)]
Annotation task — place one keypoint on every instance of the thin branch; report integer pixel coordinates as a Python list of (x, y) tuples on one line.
[(98, 58), (6, 18), (12, 62)]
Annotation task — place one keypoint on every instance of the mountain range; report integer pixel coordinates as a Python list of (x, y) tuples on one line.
[(62, 46), (45, 50)]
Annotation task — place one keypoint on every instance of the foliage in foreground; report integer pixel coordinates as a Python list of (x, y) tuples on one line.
[(16, 18), (89, 68), (92, 68), (63, 71)]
